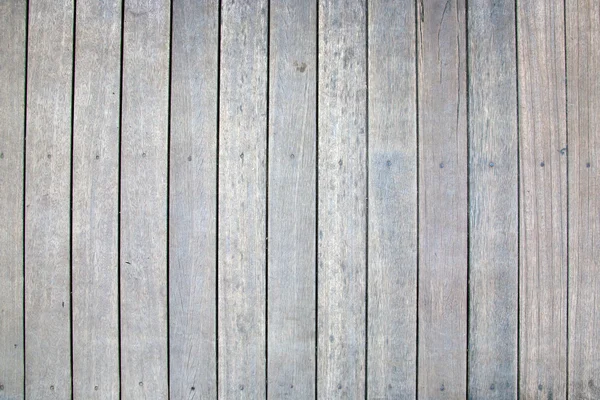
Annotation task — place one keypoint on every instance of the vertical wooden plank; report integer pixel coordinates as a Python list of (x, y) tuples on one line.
[(48, 198), (242, 199), (441, 50), (543, 199), (12, 133), (193, 201), (342, 188), (292, 202), (493, 205), (145, 85), (583, 63), (392, 201), (95, 200)]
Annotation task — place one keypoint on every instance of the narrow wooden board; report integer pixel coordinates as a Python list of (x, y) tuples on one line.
[(242, 200), (441, 52), (95, 200), (392, 330), (493, 200), (342, 199), (143, 269), (292, 202), (48, 199), (543, 199), (12, 132), (583, 64), (193, 200)]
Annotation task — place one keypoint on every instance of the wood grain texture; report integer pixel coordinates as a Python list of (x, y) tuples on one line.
[(242, 199), (342, 200), (12, 133), (95, 200), (392, 330), (144, 151), (441, 50), (493, 205), (47, 199), (543, 199), (292, 202), (193, 200), (583, 64)]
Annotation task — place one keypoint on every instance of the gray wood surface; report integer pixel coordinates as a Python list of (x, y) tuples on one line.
[(47, 200), (543, 199), (441, 52), (95, 200), (392, 330), (12, 114), (242, 199), (342, 199), (143, 258), (292, 201), (193, 200), (493, 201), (583, 64)]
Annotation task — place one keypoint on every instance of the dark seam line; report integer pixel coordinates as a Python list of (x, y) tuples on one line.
[(216, 226), (367, 201), (168, 253), (518, 377), (568, 193), (26, 59), (316, 304), (417, 158), (71, 193), (469, 132), (267, 203), (119, 191)]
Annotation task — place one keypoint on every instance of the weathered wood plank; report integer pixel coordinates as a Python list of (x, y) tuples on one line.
[(441, 50), (493, 211), (292, 202), (48, 198), (543, 199), (242, 199), (342, 192), (12, 133), (144, 199), (193, 201), (583, 64), (392, 335), (95, 200)]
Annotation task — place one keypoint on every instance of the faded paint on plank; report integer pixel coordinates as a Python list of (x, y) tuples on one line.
[(392, 334), (193, 202), (48, 198), (342, 202), (493, 213), (292, 202), (95, 200), (12, 111), (144, 199), (543, 199), (441, 50), (583, 63), (242, 200)]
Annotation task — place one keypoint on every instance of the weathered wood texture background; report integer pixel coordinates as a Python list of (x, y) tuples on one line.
[(382, 199)]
